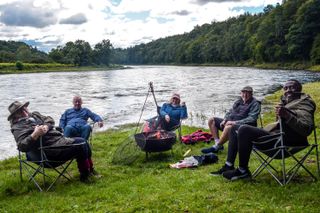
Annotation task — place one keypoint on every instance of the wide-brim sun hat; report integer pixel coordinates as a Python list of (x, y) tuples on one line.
[(15, 107)]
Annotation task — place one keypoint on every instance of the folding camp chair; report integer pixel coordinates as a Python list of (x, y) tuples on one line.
[(266, 156), (36, 168)]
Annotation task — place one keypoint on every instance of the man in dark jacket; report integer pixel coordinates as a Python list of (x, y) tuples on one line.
[(296, 112), (245, 110), (74, 120), (27, 129)]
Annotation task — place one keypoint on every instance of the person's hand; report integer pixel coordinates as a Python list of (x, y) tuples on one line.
[(100, 124), (167, 118), (39, 131), (222, 123), (231, 123), (282, 111)]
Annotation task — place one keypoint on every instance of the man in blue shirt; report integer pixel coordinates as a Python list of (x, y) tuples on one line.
[(74, 120)]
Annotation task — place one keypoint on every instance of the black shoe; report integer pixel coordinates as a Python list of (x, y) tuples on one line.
[(84, 177), (222, 170), (213, 149), (236, 174)]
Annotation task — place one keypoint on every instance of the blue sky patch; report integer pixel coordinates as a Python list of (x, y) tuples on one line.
[(251, 10), (137, 16), (115, 2), (163, 20)]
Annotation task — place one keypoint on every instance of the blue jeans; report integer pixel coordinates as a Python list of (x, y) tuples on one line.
[(80, 131)]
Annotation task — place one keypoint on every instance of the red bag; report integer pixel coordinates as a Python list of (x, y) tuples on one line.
[(196, 136)]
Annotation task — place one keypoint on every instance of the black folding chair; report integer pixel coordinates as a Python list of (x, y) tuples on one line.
[(266, 156), (36, 168)]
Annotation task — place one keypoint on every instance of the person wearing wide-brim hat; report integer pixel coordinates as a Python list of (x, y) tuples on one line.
[(27, 129), (16, 107), (245, 110)]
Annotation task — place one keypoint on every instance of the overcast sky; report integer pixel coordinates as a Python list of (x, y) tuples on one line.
[(49, 23)]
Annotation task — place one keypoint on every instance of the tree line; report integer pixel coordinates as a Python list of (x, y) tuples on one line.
[(78, 53), (287, 32)]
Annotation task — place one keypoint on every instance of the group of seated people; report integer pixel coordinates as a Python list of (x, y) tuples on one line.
[(28, 127), (295, 111), (239, 127)]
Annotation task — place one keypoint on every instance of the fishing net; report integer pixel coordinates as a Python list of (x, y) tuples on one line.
[(127, 152)]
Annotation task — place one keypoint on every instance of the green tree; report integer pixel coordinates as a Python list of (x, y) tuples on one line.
[(315, 51), (23, 53), (303, 31), (102, 52)]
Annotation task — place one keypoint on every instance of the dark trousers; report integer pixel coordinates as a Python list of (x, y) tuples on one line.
[(240, 140)]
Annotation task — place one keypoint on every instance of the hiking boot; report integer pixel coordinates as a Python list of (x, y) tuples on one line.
[(223, 169), (236, 174), (213, 149)]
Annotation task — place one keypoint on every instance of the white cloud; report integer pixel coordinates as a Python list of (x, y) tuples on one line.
[(124, 24)]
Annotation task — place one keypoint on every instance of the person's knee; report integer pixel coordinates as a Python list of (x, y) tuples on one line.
[(69, 131), (211, 122), (87, 127), (245, 132)]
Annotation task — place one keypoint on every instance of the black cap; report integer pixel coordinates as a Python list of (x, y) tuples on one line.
[(247, 89)]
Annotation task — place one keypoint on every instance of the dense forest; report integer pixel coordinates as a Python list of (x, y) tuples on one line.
[(286, 33), (289, 32), (78, 53)]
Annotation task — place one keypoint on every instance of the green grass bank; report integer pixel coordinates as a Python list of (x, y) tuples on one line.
[(10, 68), (151, 186)]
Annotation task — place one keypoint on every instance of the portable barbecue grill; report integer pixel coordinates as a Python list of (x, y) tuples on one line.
[(156, 141)]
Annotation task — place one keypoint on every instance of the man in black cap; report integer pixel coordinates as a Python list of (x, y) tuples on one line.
[(296, 112), (245, 110), (27, 128)]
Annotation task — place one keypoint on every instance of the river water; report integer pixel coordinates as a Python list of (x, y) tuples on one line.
[(118, 95)]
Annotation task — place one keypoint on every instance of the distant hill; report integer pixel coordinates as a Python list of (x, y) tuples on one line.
[(12, 51)]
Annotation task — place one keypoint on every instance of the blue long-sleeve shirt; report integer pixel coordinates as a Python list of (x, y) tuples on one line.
[(77, 118), (175, 113)]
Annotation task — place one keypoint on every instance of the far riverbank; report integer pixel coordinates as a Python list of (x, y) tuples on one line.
[(9, 68)]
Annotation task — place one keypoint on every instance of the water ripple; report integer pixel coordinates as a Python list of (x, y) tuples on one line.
[(118, 96)]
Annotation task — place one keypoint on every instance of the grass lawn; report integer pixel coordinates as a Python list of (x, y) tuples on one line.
[(151, 186)]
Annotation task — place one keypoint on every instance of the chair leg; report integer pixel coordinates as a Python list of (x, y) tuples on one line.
[(61, 174), (317, 157), (293, 171), (32, 175), (179, 133), (20, 168)]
